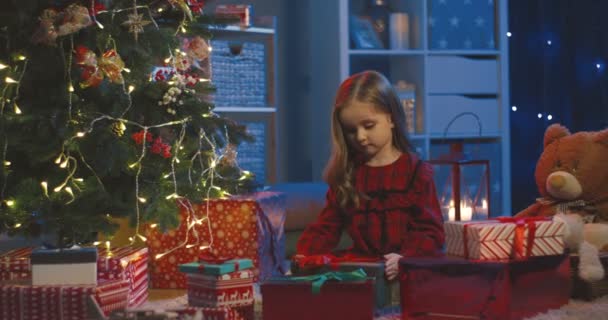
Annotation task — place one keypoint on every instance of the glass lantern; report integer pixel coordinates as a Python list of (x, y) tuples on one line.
[(463, 186)]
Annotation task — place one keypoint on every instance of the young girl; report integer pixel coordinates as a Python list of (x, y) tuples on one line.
[(379, 191)]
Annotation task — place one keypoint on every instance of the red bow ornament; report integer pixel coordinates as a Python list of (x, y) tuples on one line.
[(109, 65)]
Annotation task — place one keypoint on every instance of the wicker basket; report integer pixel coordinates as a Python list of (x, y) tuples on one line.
[(588, 290), (238, 71)]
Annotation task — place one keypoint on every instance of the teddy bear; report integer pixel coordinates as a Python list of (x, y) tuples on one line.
[(572, 179)]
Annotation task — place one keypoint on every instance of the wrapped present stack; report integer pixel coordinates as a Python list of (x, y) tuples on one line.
[(330, 295), (506, 269), (249, 227), (214, 282), (55, 302), (125, 263)]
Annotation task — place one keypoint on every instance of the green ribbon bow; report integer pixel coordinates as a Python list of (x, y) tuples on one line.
[(318, 280)]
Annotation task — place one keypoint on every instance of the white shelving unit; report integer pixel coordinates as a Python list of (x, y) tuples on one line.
[(264, 154), (447, 83)]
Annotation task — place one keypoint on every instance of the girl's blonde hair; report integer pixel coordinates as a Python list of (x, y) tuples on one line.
[(368, 87)]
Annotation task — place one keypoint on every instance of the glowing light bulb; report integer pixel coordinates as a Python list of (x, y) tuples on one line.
[(9, 80), (80, 134), (71, 88), (549, 117), (21, 57), (142, 200), (168, 60), (17, 225), (540, 115), (131, 88), (10, 203), (160, 255), (514, 108), (64, 164), (142, 237), (160, 10), (153, 225), (96, 243), (190, 246), (7, 163), (127, 70), (3, 66), (17, 110)]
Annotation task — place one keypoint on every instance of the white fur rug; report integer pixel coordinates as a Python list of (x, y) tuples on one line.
[(575, 310)]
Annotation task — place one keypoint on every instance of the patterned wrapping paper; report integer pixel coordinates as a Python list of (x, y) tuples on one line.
[(232, 289), (128, 263), (16, 260), (495, 240), (248, 227), (25, 302)]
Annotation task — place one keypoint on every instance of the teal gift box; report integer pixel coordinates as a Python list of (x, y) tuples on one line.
[(216, 269)]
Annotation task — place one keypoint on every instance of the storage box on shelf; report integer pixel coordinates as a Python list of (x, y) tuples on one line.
[(243, 69)]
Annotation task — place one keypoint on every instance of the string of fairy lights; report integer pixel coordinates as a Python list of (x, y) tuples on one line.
[(69, 162)]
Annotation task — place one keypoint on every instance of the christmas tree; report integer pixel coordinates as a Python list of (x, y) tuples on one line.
[(105, 112)]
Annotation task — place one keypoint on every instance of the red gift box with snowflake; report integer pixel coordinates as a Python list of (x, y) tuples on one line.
[(51, 302), (249, 227)]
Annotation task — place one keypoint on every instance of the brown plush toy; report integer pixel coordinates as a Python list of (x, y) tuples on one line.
[(572, 178)]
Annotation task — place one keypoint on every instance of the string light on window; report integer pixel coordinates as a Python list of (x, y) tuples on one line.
[(540, 115), (549, 117), (514, 108), (509, 34), (549, 42)]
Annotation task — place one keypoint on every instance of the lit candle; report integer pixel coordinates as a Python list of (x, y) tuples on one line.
[(466, 212)]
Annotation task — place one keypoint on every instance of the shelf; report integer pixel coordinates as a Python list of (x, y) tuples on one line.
[(246, 109), (252, 30), (385, 52), (464, 52)]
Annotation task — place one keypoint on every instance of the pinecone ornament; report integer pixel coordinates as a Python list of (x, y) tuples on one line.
[(118, 128)]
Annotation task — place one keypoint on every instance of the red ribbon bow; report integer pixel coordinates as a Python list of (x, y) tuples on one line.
[(520, 227)]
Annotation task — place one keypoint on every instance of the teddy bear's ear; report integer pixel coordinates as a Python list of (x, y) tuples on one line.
[(601, 137), (554, 132)]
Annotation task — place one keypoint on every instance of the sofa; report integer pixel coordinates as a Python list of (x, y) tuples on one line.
[(305, 200)]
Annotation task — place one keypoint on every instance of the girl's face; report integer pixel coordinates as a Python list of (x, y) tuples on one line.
[(367, 129)]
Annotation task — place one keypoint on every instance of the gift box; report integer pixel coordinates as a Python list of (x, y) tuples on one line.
[(504, 238), (456, 288), (386, 293), (128, 263), (585, 290), (344, 297), (64, 267), (50, 302), (249, 227), (221, 284), (462, 25)]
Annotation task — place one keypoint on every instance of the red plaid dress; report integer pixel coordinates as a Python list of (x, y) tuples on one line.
[(402, 215)]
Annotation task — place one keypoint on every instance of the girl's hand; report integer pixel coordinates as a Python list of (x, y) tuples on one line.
[(391, 265)]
